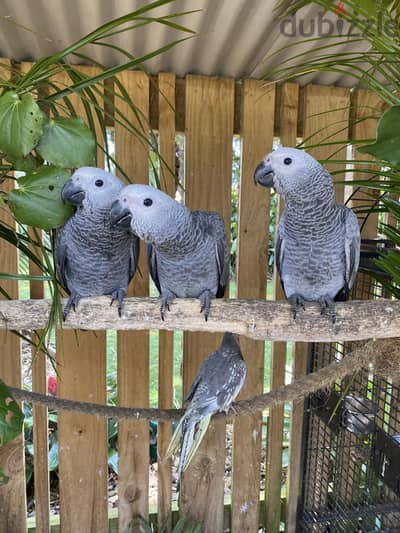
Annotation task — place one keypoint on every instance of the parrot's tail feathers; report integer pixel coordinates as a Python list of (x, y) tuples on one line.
[(196, 438), (175, 440)]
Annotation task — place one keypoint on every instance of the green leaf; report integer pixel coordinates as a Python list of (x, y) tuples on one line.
[(37, 201), (11, 416), (387, 144), (68, 143), (53, 454), (3, 478), (113, 459), (21, 124)]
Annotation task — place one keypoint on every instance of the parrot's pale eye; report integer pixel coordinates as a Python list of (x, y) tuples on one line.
[(147, 202), (99, 183), (287, 161)]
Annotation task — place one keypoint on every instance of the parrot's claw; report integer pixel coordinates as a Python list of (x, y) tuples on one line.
[(296, 301), (166, 299), (119, 295), (72, 303), (327, 304), (205, 304)]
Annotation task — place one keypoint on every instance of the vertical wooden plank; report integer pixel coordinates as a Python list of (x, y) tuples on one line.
[(40, 419), (133, 346), (208, 161), (288, 112), (166, 131), (39, 414), (326, 119), (365, 104), (81, 365), (258, 104), (12, 495)]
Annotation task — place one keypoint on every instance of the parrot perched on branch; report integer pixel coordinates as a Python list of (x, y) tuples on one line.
[(317, 245), (188, 252), (219, 380), (93, 258)]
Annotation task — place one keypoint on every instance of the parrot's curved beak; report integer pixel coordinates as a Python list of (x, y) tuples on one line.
[(120, 216), (264, 175), (72, 193)]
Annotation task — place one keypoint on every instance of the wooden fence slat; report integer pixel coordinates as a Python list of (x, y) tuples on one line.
[(83, 446), (326, 119), (39, 414), (208, 162), (258, 104), (166, 131), (133, 347), (12, 495), (288, 113)]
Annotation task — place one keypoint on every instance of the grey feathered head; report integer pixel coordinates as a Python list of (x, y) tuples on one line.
[(151, 214), (90, 186), (292, 172)]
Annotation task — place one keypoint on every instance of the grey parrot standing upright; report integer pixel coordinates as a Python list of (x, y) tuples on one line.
[(93, 258), (219, 380), (317, 245), (187, 251)]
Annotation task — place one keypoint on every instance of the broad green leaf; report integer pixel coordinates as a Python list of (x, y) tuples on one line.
[(387, 144), (53, 454), (4, 479), (24, 164), (21, 124), (113, 459), (37, 201), (68, 143), (11, 416)]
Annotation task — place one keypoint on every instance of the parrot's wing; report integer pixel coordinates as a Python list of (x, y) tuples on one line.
[(134, 256), (61, 255), (214, 226), (152, 262), (279, 248), (352, 246), (194, 441), (192, 389)]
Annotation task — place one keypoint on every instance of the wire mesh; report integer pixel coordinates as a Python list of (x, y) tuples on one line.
[(343, 490)]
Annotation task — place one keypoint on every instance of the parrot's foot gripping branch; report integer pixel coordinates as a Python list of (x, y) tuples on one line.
[(296, 301)]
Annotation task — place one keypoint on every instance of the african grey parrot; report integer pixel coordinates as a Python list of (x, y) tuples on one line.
[(92, 258), (218, 382), (317, 245), (187, 251)]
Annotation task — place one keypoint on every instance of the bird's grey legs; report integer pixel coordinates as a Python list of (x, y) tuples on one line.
[(118, 294), (205, 303), (327, 304), (167, 297), (296, 301), (73, 301)]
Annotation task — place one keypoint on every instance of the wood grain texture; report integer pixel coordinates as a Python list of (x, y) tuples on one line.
[(288, 116), (209, 106), (133, 347), (255, 319), (257, 119), (365, 104), (40, 418), (166, 132), (83, 445), (12, 495)]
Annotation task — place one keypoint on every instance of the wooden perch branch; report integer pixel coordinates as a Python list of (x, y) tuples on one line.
[(257, 319)]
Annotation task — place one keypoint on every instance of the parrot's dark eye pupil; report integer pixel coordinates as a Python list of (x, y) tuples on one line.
[(147, 202), (287, 160), (99, 183)]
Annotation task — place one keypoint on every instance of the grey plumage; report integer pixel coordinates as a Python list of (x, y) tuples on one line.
[(187, 251), (219, 380), (318, 241), (92, 258)]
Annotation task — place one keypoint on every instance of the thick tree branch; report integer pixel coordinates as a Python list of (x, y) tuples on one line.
[(257, 319)]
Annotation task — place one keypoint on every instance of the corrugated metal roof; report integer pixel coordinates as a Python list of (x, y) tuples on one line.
[(234, 38)]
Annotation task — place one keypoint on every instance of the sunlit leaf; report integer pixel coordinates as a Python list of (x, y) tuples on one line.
[(11, 416), (37, 201), (21, 122), (67, 142), (387, 144)]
